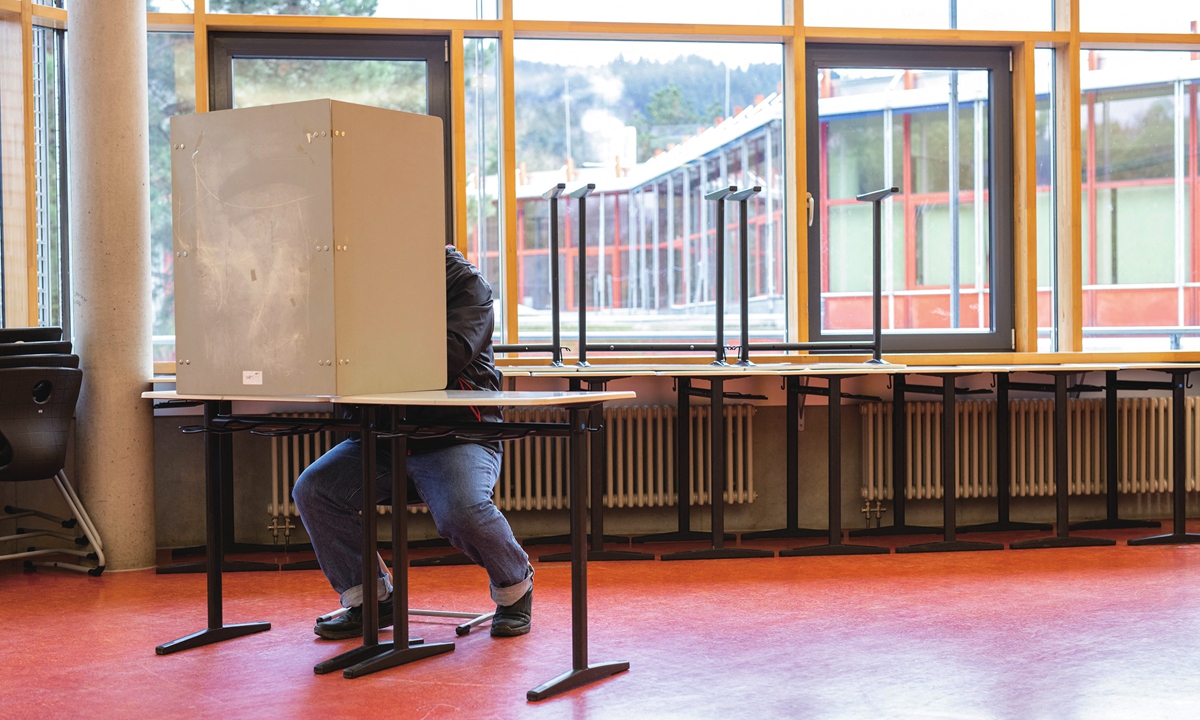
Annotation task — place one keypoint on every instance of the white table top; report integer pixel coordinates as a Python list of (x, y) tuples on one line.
[(982, 369), (430, 398), (1140, 366), (569, 371)]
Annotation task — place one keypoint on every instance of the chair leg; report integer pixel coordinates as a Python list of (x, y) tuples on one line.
[(80, 520), (473, 619), (19, 513), (89, 528)]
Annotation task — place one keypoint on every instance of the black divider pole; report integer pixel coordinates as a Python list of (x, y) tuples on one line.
[(876, 199), (743, 200), (719, 197), (581, 194), (555, 340)]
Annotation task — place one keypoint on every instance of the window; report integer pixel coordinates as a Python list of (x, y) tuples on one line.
[(1157, 16), (882, 118), (961, 14), (748, 12), (49, 120), (172, 91), (654, 126), (1047, 183), (1140, 197), (482, 119), (461, 9), (15, 290)]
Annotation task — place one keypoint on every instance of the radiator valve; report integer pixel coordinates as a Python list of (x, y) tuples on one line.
[(873, 512)]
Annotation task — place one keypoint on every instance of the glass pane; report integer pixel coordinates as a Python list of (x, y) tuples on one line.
[(50, 158), (171, 6), (172, 91), (454, 9), (15, 289), (1163, 16), (961, 14), (1047, 268), (392, 84), (1140, 200), (748, 12), (654, 125), (884, 128), (484, 246)]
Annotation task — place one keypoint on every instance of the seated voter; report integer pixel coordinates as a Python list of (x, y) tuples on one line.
[(454, 477)]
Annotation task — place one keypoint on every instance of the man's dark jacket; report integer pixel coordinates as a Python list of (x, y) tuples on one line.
[(469, 359)]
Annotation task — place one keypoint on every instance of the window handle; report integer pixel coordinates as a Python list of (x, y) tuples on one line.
[(811, 207)]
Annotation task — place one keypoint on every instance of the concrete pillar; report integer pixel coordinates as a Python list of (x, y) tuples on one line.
[(110, 272)]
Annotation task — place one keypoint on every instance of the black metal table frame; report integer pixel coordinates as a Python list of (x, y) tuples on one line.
[(834, 546), (372, 656), (596, 475), (1179, 534), (718, 482)]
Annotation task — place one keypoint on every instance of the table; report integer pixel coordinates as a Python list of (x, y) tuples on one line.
[(596, 379), (833, 375), (1179, 373), (372, 656)]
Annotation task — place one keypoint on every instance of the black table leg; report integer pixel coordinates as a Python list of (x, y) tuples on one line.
[(683, 472), (1003, 469), (835, 545), (228, 543), (574, 385), (1062, 515), (597, 477), (792, 448), (716, 444), (581, 673), (899, 525), (214, 469), (397, 652), (370, 602), (949, 541), (1179, 534), (1111, 521)]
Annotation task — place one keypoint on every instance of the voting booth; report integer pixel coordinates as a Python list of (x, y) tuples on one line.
[(309, 250)]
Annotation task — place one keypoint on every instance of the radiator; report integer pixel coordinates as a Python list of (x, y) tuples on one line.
[(1143, 451), (640, 448)]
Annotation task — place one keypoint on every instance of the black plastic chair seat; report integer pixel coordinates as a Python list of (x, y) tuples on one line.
[(59, 361), (36, 410), (30, 334), (35, 348)]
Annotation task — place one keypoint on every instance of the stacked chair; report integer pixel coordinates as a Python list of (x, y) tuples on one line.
[(39, 386)]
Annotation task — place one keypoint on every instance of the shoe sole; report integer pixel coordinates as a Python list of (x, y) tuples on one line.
[(344, 634), (509, 631)]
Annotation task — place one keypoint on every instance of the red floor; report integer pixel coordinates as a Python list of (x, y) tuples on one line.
[(1082, 633)]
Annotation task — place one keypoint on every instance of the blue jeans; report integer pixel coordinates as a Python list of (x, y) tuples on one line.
[(456, 483)]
